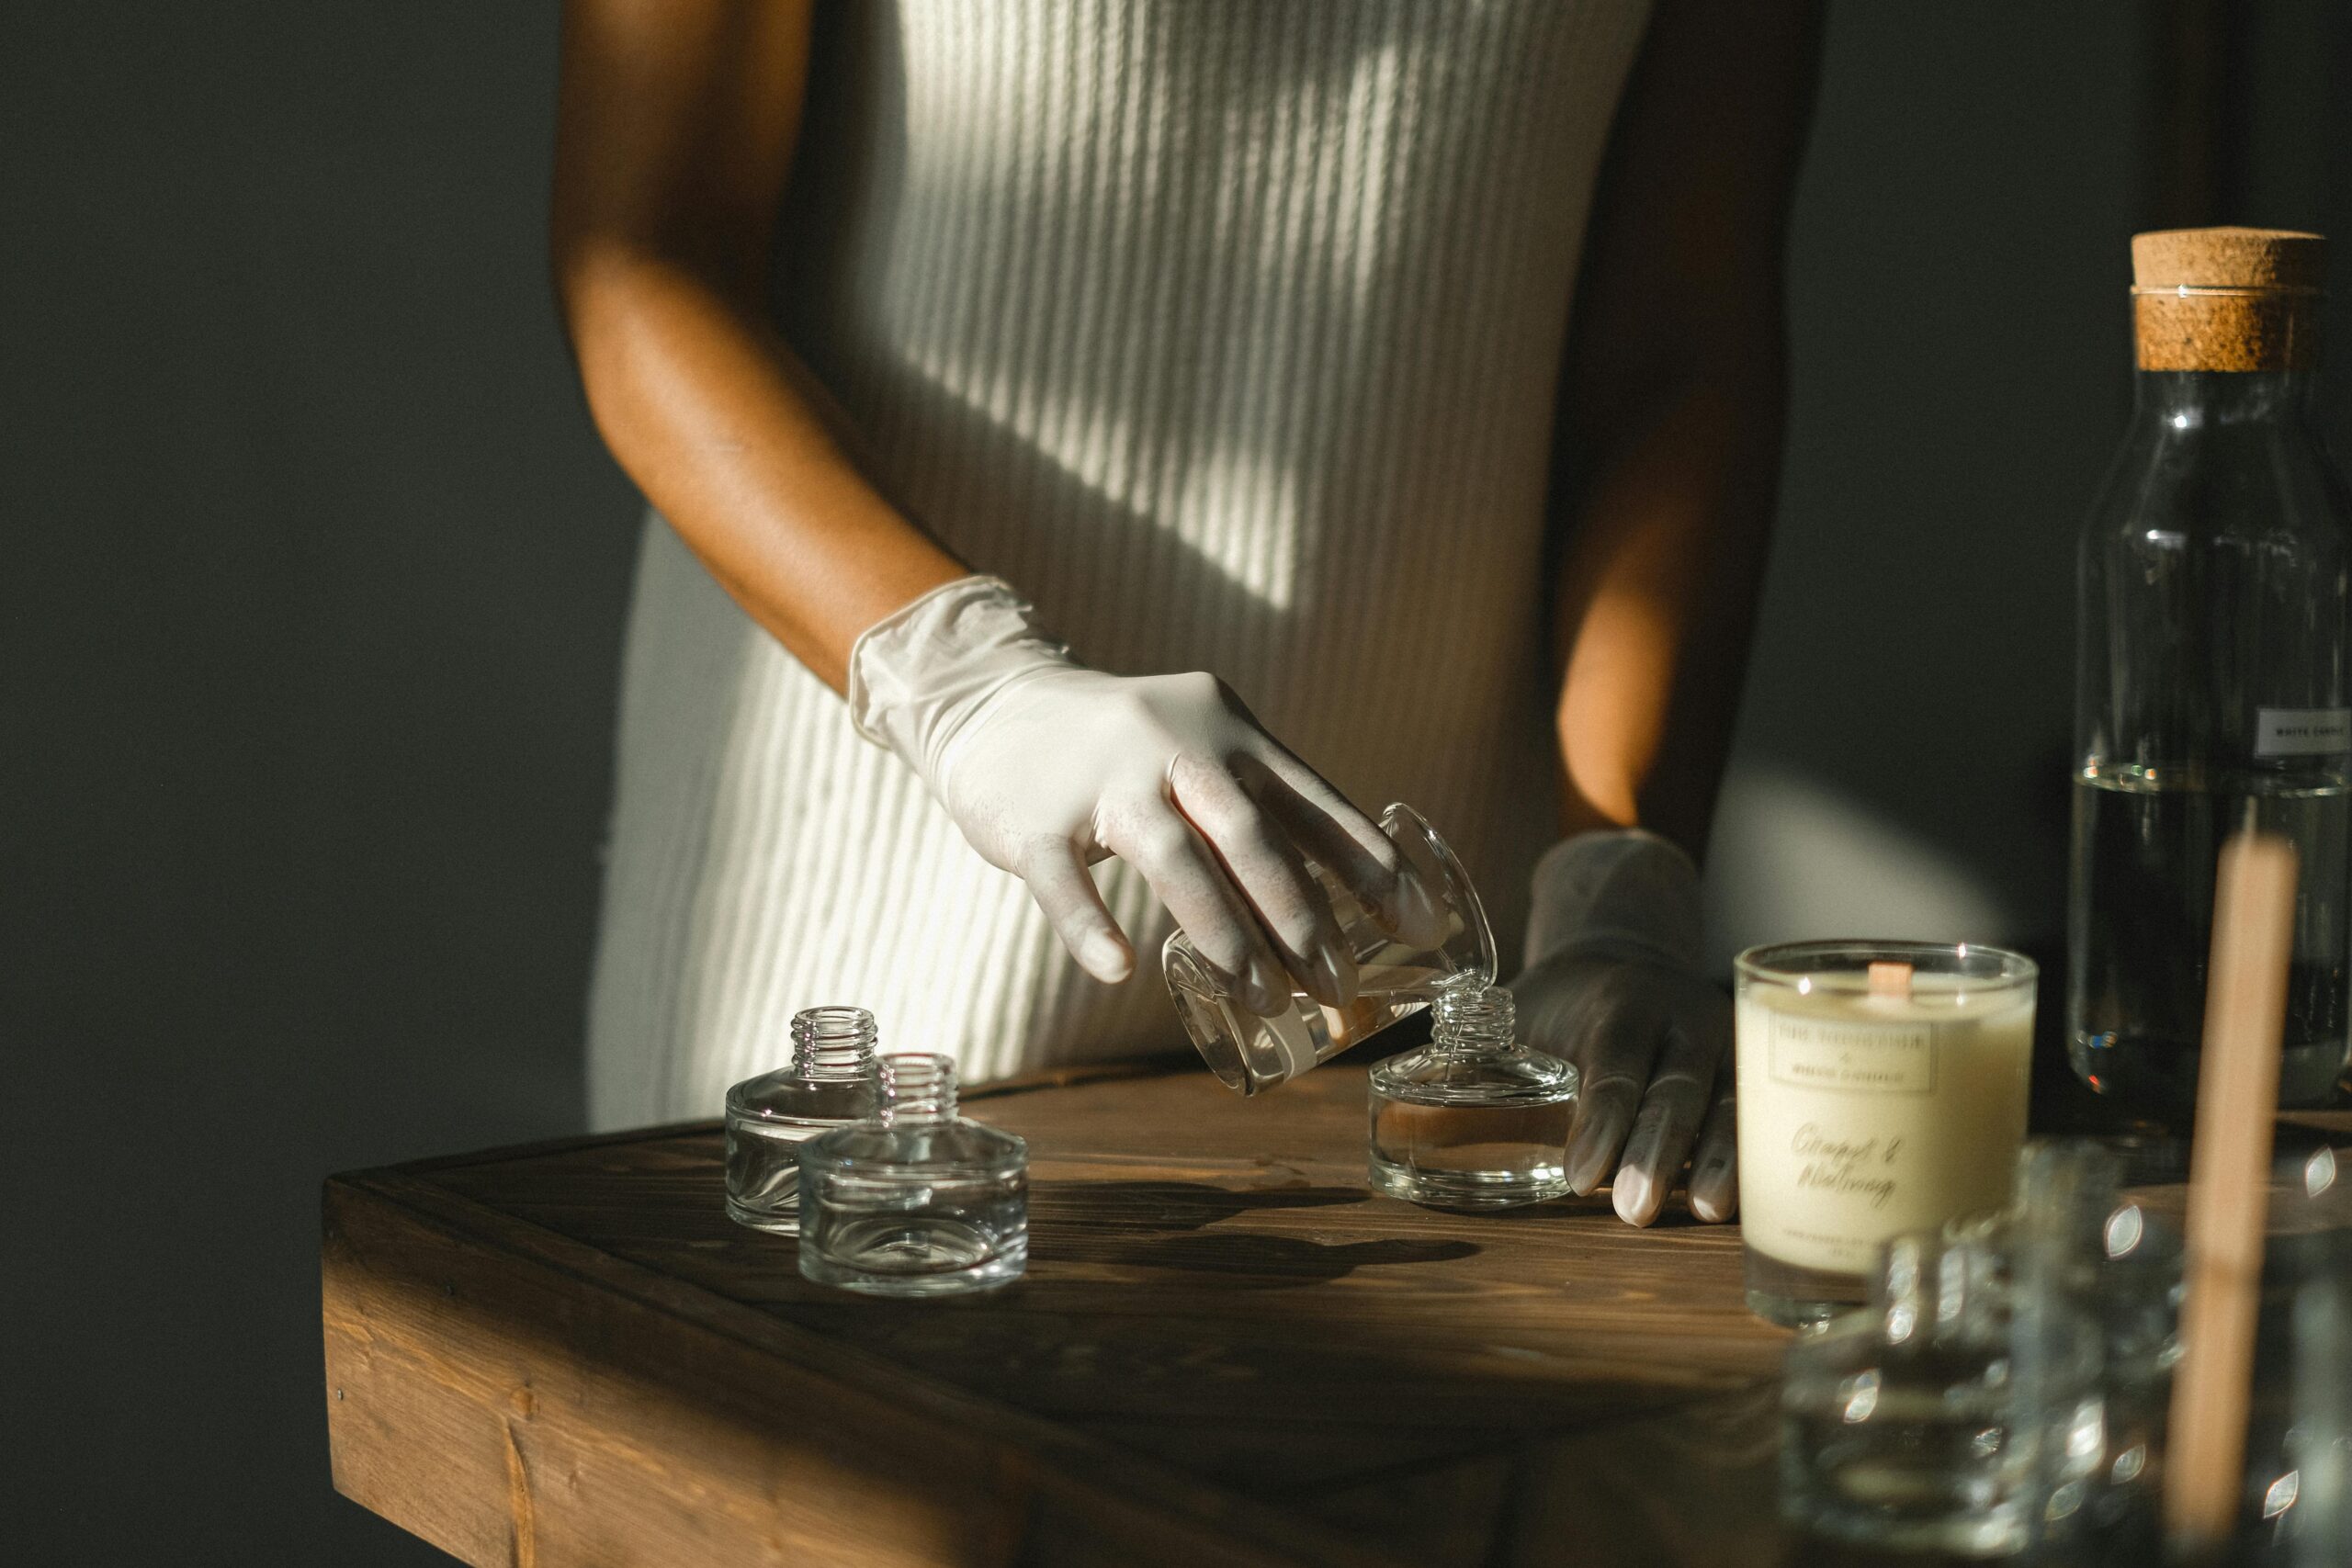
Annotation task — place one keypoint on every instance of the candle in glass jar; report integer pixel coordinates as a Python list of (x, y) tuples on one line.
[(1881, 1089)]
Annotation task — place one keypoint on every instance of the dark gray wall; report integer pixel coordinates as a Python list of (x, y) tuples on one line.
[(313, 583), (1963, 373), (312, 586)]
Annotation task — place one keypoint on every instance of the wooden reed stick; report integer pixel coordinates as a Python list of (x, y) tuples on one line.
[(2229, 1180)]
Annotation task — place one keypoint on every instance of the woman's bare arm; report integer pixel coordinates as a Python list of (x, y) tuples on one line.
[(674, 133), (1672, 405)]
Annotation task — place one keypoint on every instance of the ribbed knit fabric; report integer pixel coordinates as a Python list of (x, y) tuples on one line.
[(1227, 330)]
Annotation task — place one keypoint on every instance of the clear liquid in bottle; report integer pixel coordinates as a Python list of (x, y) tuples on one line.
[(2146, 846)]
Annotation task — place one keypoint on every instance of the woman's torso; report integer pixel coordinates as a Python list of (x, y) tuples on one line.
[(1229, 332)]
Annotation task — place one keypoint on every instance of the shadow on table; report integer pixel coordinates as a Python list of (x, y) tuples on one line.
[(1131, 1206), (1101, 1219), (1231, 1260)]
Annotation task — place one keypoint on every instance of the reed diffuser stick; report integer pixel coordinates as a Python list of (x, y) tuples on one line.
[(2229, 1178)]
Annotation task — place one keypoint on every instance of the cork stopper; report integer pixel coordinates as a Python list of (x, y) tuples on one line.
[(2227, 299)]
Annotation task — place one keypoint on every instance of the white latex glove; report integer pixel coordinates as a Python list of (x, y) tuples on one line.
[(1048, 766), (1613, 984)]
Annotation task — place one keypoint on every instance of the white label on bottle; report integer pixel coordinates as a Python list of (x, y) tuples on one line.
[(1857, 1057), (2301, 732), (1294, 1044)]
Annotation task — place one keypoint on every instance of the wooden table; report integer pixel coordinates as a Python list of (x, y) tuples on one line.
[(1225, 1351)]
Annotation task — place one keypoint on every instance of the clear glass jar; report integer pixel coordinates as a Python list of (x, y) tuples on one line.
[(1944, 1417), (1881, 1089), (2215, 574), (919, 1200), (1475, 1119), (832, 1079), (1394, 979), (2075, 1242), (2319, 1442)]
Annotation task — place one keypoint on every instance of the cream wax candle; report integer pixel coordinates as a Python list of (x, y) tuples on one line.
[(1881, 1089)]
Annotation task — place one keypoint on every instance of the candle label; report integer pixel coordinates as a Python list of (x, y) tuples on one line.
[(1862, 1117), (2301, 732), (1858, 1057)]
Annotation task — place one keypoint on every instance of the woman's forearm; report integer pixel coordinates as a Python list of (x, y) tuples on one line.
[(676, 125), (737, 448), (1658, 591), (1672, 402)]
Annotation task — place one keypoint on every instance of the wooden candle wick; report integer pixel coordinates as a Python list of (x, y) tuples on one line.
[(2229, 1179), (1889, 979)]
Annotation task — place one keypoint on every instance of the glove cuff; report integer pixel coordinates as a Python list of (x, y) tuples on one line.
[(916, 675), (1616, 893)]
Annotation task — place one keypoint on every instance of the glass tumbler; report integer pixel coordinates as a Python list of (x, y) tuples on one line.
[(1952, 1420), (1395, 980), (1881, 1089)]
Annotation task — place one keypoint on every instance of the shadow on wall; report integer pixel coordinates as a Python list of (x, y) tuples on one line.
[(1795, 859)]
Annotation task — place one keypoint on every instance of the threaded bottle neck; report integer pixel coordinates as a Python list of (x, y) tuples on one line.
[(832, 1042), (918, 1087), (1473, 1017)]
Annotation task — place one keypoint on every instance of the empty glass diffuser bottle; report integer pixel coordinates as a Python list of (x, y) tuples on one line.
[(2211, 694), (1395, 978), (832, 1080), (919, 1200), (1474, 1118)]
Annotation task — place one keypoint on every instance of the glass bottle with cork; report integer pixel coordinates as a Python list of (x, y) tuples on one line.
[(2215, 576)]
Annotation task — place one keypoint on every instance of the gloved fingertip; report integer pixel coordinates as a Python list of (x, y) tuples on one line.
[(1714, 1195), (1106, 958), (1585, 1165), (1592, 1149), (1262, 993), (1634, 1196)]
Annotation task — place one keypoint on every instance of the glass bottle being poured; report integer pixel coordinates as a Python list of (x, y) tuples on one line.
[(1394, 977), (1475, 1119)]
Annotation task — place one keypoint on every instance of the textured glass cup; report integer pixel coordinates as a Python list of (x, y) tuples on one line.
[(1475, 1119), (1881, 1089), (2076, 1242), (918, 1201), (831, 1079), (1394, 980), (1957, 1415)]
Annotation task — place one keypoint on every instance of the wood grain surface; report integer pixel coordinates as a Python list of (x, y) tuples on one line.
[(1225, 1351)]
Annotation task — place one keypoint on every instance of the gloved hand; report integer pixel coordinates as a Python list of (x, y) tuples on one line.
[(1048, 766), (1613, 984)]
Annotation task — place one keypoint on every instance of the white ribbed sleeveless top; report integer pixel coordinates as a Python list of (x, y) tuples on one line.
[(1228, 331)]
